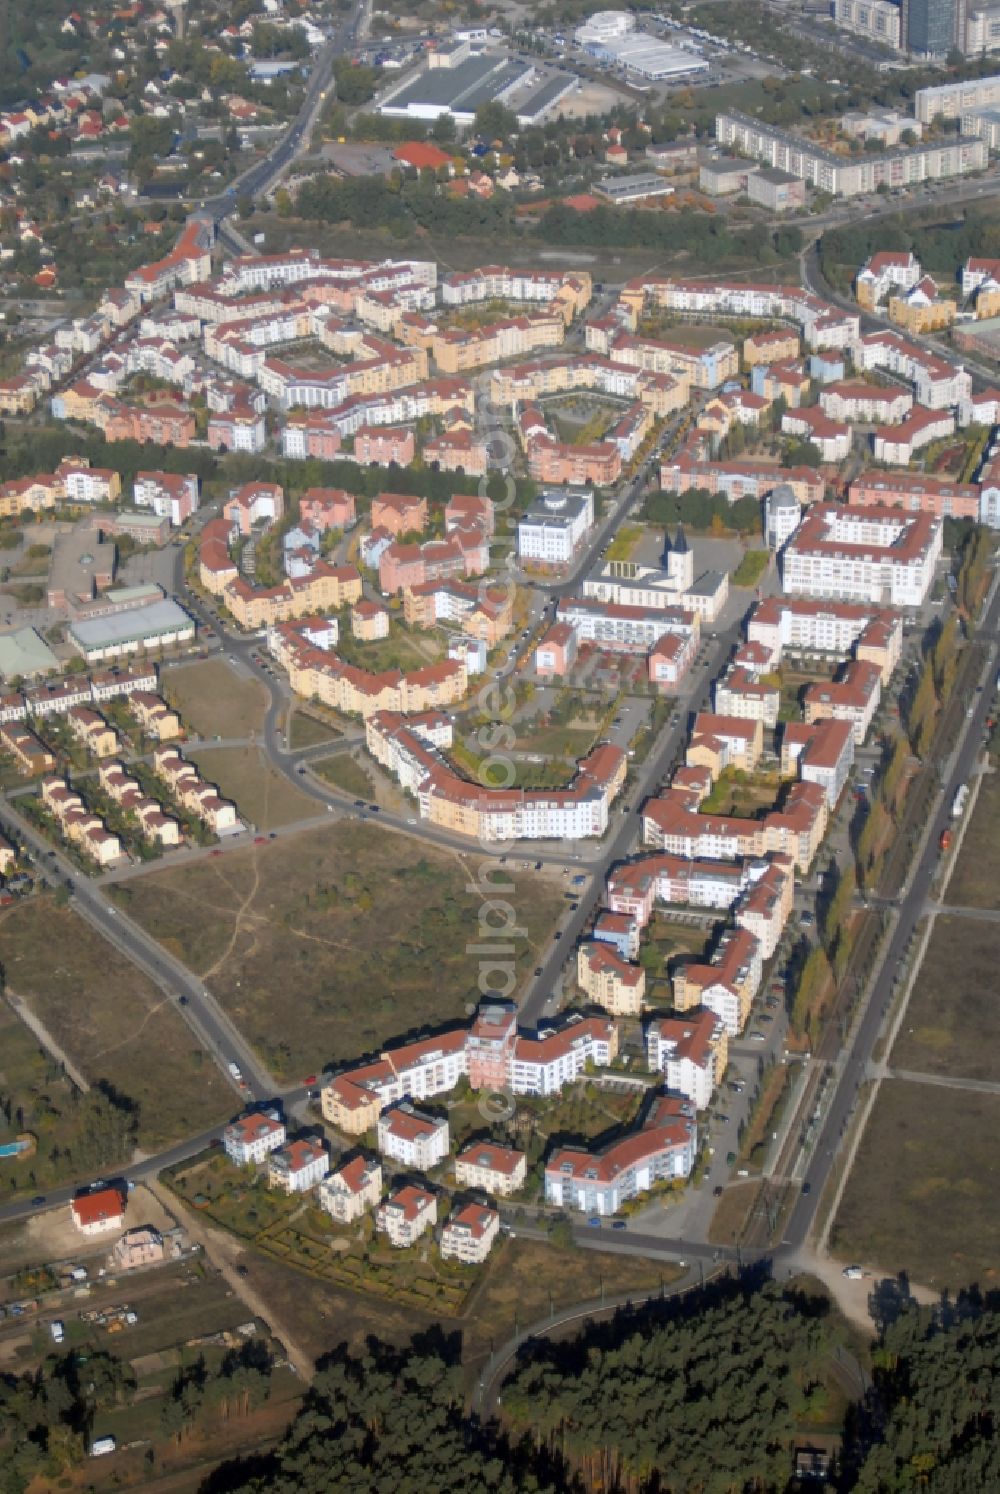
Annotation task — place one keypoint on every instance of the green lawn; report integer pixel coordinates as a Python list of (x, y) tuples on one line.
[(308, 731), (751, 568), (345, 772)]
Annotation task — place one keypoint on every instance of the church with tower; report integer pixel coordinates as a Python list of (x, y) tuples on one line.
[(672, 583)]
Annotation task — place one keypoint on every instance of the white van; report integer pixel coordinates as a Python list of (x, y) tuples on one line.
[(102, 1446), (58, 1331)]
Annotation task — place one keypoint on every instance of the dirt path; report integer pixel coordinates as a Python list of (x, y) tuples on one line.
[(45, 1038), (225, 1253), (851, 1297)]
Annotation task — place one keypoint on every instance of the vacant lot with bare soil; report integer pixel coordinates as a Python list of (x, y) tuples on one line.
[(213, 700), (326, 944), (975, 882), (263, 796), (952, 1027), (922, 1196)]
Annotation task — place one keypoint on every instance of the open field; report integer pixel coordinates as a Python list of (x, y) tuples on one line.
[(975, 882), (263, 796), (523, 1277), (952, 1027), (111, 1021), (571, 742), (308, 731), (213, 700), (922, 1195), (688, 334), (346, 773), (292, 937)]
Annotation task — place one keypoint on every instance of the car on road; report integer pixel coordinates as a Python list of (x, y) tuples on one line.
[(309, 1079), (807, 920), (260, 840), (184, 1000), (757, 1037), (538, 969), (619, 1224), (594, 1222), (38, 1200), (853, 1273), (765, 1017), (718, 1191), (807, 1187), (359, 803), (216, 852)]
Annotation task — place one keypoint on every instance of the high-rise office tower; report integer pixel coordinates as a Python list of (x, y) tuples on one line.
[(931, 27)]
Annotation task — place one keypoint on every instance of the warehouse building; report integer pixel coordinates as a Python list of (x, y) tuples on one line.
[(163, 624)]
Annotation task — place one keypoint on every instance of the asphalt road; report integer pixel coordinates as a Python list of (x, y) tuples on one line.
[(911, 909), (204, 1015), (262, 176)]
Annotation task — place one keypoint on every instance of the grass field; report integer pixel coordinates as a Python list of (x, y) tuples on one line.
[(213, 700), (559, 741), (263, 796), (751, 568), (345, 773), (922, 1195), (975, 882), (111, 1021), (308, 731), (292, 937), (951, 1026)]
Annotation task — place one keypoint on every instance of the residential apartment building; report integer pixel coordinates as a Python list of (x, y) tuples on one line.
[(352, 1190), (406, 1215), (853, 697), (499, 1170), (691, 1052), (445, 798), (353, 1101), (613, 983), (727, 983), (740, 693), (598, 1183), (849, 175), (802, 624), (412, 1138), (470, 1234), (821, 753), (28, 750), (250, 1140), (880, 556), (718, 742), (169, 494), (298, 1166)]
